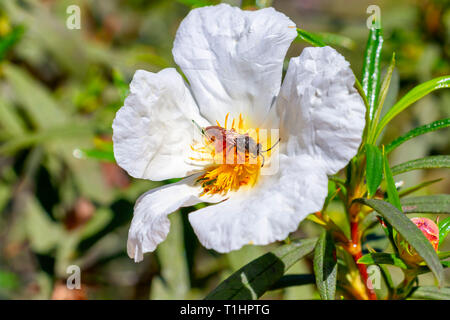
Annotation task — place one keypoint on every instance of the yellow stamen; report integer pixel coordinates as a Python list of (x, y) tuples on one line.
[(229, 177), (226, 119)]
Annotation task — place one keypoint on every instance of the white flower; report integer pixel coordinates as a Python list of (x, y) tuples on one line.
[(233, 60)]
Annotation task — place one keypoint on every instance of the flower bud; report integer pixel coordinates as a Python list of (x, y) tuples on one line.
[(429, 229)]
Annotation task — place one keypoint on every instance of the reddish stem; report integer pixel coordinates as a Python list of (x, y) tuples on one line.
[(356, 254)]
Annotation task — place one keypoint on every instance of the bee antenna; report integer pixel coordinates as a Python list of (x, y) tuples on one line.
[(273, 146), (198, 126)]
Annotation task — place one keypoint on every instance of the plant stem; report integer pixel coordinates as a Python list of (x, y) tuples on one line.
[(357, 190), (356, 252), (404, 289)]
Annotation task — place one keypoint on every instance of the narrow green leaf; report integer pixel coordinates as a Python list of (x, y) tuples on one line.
[(333, 39), (259, 4), (10, 120), (374, 168), (120, 84), (430, 162), (392, 192), (197, 3), (252, 280), (361, 92), (310, 38), (412, 96), (432, 293), (387, 277), (392, 94), (292, 280), (369, 221), (444, 229), (95, 154), (409, 231), (436, 125), (325, 266), (8, 280), (425, 269), (383, 258), (37, 100), (438, 203), (57, 133), (371, 68), (382, 96), (444, 255), (322, 39), (10, 39), (407, 191)]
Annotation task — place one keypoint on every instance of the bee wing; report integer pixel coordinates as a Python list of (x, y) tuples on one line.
[(226, 141)]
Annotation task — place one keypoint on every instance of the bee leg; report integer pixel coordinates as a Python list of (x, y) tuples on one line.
[(231, 150), (262, 165)]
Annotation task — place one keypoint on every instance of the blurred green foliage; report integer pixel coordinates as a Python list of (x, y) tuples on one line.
[(63, 201)]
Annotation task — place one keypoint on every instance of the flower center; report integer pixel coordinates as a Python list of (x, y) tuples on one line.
[(233, 156)]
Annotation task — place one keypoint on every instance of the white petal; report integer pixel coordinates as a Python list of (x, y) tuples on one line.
[(153, 130), (267, 213), (321, 112), (150, 224), (233, 59)]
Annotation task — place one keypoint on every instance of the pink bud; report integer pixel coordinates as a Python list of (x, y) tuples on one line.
[(429, 229)]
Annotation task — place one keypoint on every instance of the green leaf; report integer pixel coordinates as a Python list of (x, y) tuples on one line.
[(58, 133), (444, 229), (120, 84), (371, 68), (197, 3), (9, 40), (95, 154), (252, 4), (10, 120), (36, 99), (369, 221), (8, 280), (291, 280), (392, 94), (311, 38), (387, 277), (255, 278), (407, 191), (412, 96), (361, 92), (432, 293), (392, 192), (333, 39), (43, 234), (409, 232), (438, 203), (444, 255), (374, 168), (436, 125), (430, 162), (383, 258), (382, 96), (325, 266), (323, 39), (425, 269)]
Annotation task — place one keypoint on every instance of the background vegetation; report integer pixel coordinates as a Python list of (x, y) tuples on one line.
[(64, 201)]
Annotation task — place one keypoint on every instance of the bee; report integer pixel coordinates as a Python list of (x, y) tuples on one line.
[(229, 140)]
